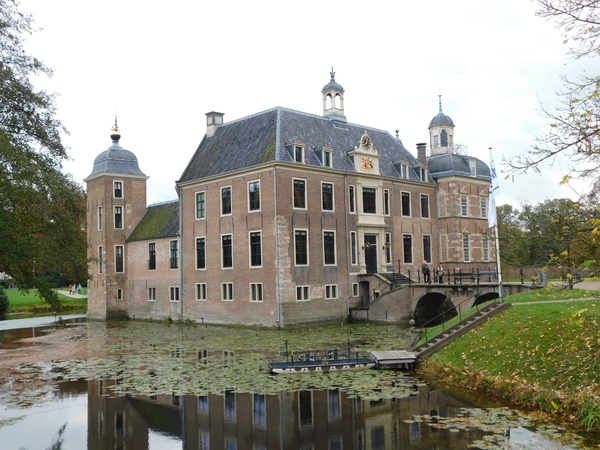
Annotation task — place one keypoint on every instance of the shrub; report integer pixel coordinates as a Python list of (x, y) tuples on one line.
[(3, 302)]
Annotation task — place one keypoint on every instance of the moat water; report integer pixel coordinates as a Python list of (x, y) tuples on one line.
[(158, 386)]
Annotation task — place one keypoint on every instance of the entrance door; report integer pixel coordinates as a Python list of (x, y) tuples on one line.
[(371, 253)]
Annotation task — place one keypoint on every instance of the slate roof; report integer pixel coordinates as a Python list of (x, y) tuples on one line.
[(116, 160), (267, 137), (160, 221), (448, 164), (441, 119)]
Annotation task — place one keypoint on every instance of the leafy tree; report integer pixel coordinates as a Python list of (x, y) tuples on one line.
[(42, 210), (575, 123), (4, 302)]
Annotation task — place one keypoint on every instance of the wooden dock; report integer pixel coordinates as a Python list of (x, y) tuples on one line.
[(395, 359)]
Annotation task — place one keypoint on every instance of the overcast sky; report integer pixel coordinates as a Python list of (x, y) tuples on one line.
[(163, 65)]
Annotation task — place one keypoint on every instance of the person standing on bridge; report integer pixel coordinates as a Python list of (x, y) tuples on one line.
[(426, 273), (439, 273)]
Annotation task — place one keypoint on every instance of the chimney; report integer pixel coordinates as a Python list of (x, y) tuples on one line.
[(422, 153), (213, 120)]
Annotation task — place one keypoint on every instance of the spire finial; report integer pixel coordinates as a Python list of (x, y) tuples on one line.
[(440, 96), (332, 73), (116, 134)]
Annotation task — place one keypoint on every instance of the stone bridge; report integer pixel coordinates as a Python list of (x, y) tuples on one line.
[(423, 301)]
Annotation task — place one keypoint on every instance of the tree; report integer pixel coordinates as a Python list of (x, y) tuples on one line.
[(42, 210), (4, 302), (575, 123)]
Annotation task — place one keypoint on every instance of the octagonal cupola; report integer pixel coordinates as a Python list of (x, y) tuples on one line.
[(333, 99), (441, 132)]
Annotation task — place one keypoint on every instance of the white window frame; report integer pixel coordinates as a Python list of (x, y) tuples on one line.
[(302, 156), (334, 263), (386, 202), (223, 254), (402, 204), (305, 196), (428, 261), (330, 155), (404, 173), (485, 244), (252, 182), (250, 233), (122, 247), (423, 173), (483, 205), (100, 259), (354, 289), (466, 248), (230, 200), (173, 293), (115, 217), (115, 188), (464, 205), (331, 291), (353, 248), (426, 196), (227, 293), (388, 248), (303, 293), (201, 290), (307, 248), (332, 196), (196, 253), (199, 193), (352, 199), (256, 292), (120, 295)]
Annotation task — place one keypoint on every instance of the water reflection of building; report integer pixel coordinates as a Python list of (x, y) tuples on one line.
[(300, 420)]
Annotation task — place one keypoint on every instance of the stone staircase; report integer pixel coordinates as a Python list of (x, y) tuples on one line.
[(396, 278), (427, 348)]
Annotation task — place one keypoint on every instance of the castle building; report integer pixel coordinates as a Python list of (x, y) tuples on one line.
[(282, 218)]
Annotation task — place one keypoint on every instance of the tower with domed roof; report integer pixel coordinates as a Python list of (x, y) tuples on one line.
[(333, 99), (116, 196), (441, 133)]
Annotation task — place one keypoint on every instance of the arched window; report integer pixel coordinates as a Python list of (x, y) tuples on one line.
[(444, 136)]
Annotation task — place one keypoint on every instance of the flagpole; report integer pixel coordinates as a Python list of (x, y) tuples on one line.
[(494, 188)]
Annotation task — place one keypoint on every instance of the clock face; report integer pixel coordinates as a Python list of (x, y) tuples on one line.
[(366, 142)]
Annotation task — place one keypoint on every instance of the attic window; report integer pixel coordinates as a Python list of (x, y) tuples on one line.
[(423, 173), (298, 154), (473, 167), (404, 171), (327, 159)]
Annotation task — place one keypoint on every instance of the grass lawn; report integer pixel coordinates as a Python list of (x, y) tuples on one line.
[(30, 302)]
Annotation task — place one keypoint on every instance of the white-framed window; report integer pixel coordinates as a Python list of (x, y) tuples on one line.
[(298, 154), (486, 248), (354, 289), (301, 247), (118, 217), (174, 293), (302, 293), (327, 158), (201, 291), (386, 202), (200, 253), (327, 196), (200, 205), (255, 249), (174, 259), (329, 248), (118, 189), (404, 171), (369, 198), (464, 205), (254, 195), (100, 218), (256, 292), (483, 205), (227, 292), (407, 248), (100, 259), (331, 291), (119, 259), (353, 250), (151, 294), (423, 174), (352, 199), (226, 200), (427, 248), (120, 294), (299, 192), (405, 199), (436, 141), (226, 251), (425, 206), (466, 249), (388, 248)]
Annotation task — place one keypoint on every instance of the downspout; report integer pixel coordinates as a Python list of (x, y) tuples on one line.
[(348, 253), (181, 253), (277, 288)]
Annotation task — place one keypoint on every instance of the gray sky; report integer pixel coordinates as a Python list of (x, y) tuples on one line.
[(163, 65)]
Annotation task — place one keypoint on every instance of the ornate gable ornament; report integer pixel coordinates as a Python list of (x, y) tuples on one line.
[(364, 155)]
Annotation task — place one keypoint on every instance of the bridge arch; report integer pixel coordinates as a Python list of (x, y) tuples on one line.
[(485, 297), (431, 305)]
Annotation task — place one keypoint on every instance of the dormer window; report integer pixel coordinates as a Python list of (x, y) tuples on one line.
[(404, 173), (298, 154), (423, 173), (327, 160), (473, 166)]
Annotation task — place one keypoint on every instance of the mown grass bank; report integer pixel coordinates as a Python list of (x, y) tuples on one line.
[(30, 303), (536, 355)]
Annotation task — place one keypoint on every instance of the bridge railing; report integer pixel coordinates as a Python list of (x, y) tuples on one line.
[(425, 326)]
